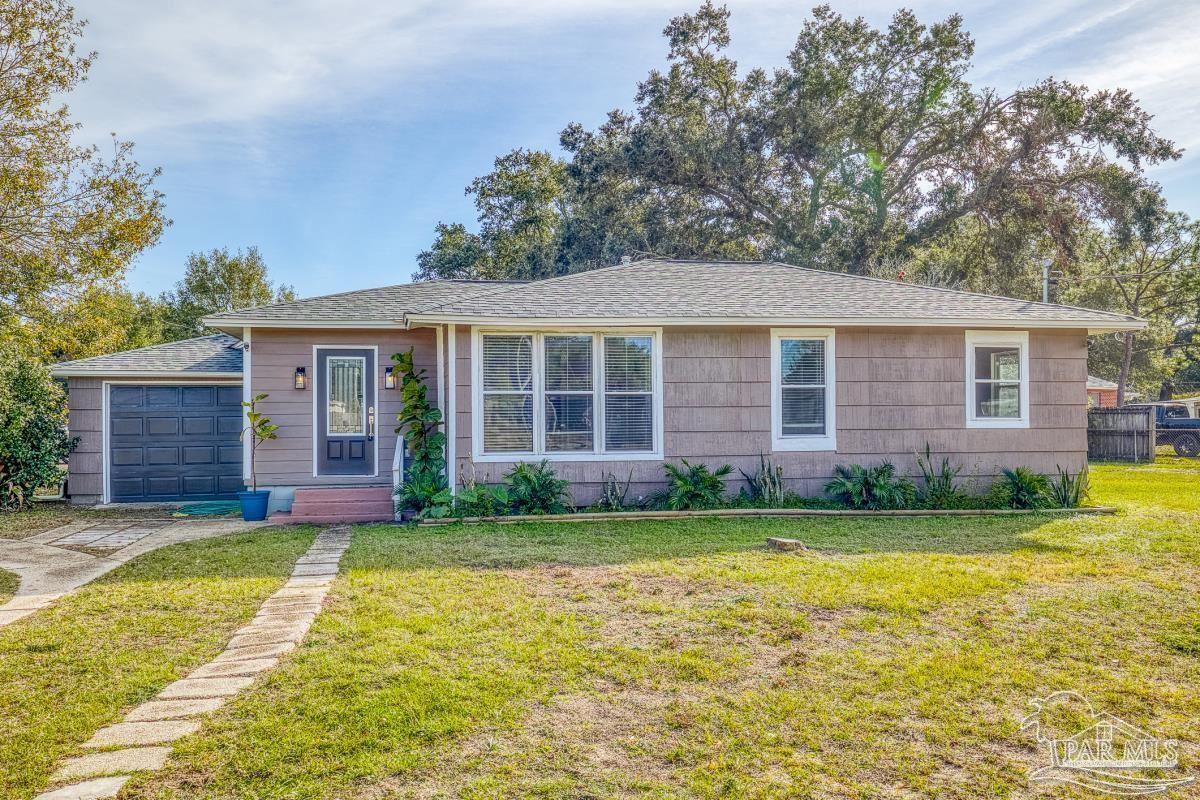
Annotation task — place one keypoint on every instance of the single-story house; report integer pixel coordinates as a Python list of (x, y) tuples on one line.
[(611, 371), (1101, 393)]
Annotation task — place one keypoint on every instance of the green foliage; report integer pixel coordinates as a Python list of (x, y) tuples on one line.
[(1065, 491), (481, 500), (219, 281), (1020, 488), (864, 144), (939, 489), (73, 218), (766, 485), (260, 429), (423, 488), (33, 436), (871, 488), (692, 486), (614, 492), (535, 489)]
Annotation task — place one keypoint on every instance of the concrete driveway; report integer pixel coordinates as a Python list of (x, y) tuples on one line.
[(57, 562)]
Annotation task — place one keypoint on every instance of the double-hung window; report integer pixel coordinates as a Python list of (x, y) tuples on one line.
[(803, 399), (568, 395), (997, 379)]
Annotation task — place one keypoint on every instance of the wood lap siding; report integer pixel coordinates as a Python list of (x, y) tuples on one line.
[(85, 404), (275, 354), (896, 390)]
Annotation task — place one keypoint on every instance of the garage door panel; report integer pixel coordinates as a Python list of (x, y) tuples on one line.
[(162, 396), (199, 426), (127, 456), (126, 397), (127, 427), (174, 442), (162, 426), (162, 456)]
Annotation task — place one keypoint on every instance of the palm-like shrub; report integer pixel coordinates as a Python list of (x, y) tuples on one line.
[(871, 488), (535, 489), (1068, 492), (939, 488), (693, 486), (1020, 487)]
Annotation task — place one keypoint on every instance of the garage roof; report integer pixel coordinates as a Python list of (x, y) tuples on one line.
[(217, 355)]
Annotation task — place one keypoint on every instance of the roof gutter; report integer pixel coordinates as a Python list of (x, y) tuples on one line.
[(1092, 326)]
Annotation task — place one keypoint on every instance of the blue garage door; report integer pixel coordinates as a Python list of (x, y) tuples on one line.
[(174, 443)]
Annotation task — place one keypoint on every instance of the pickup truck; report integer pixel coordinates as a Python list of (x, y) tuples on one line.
[(1174, 426)]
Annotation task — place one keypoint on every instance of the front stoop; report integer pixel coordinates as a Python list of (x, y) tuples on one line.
[(339, 505)]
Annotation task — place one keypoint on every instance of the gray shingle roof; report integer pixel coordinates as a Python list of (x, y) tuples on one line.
[(204, 355), (669, 290), (1099, 383), (384, 304)]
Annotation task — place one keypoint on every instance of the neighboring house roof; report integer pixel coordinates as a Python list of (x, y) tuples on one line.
[(1100, 383), (723, 292), (216, 355), (386, 304)]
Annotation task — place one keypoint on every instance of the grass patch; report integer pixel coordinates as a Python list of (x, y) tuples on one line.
[(44, 516), (681, 658), (78, 665), (8, 585)]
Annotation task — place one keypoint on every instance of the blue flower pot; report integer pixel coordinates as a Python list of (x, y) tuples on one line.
[(254, 505)]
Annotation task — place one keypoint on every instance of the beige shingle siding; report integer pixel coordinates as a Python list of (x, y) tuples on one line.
[(897, 388), (696, 290)]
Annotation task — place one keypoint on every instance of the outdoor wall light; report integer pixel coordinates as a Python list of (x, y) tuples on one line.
[(389, 378), (301, 378)]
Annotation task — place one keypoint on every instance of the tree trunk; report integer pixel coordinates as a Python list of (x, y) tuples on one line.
[(1126, 362)]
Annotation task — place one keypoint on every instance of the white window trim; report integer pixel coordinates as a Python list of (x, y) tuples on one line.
[(1018, 339), (597, 453), (807, 442)]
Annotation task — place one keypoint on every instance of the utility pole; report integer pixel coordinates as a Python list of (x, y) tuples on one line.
[(1046, 281)]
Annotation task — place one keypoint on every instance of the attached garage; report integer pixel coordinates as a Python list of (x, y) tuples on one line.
[(157, 425), (174, 442)]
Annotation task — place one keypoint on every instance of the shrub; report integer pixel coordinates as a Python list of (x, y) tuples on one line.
[(938, 489), (535, 489), (871, 488), (693, 486), (765, 485), (612, 495), (481, 500), (423, 488), (33, 436), (1020, 488), (1068, 492)]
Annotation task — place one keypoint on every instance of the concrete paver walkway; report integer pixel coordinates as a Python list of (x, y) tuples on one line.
[(49, 569), (142, 741)]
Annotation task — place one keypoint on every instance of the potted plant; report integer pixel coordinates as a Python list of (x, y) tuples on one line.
[(260, 428)]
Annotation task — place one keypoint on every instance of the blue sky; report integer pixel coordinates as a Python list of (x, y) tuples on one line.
[(335, 135)]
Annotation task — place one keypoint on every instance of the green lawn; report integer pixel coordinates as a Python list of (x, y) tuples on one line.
[(47, 515), (8, 585), (80, 664), (680, 658)]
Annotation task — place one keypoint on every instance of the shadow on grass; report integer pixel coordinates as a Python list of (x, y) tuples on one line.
[(600, 543)]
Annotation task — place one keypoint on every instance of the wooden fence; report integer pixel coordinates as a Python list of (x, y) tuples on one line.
[(1121, 434)]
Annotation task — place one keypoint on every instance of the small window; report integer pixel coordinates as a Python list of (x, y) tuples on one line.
[(802, 390), (997, 379), (628, 394)]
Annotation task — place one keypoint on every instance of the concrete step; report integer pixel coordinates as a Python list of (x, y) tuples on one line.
[(328, 507), (284, 518), (345, 493)]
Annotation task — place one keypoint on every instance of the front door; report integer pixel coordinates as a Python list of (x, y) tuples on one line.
[(345, 423)]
